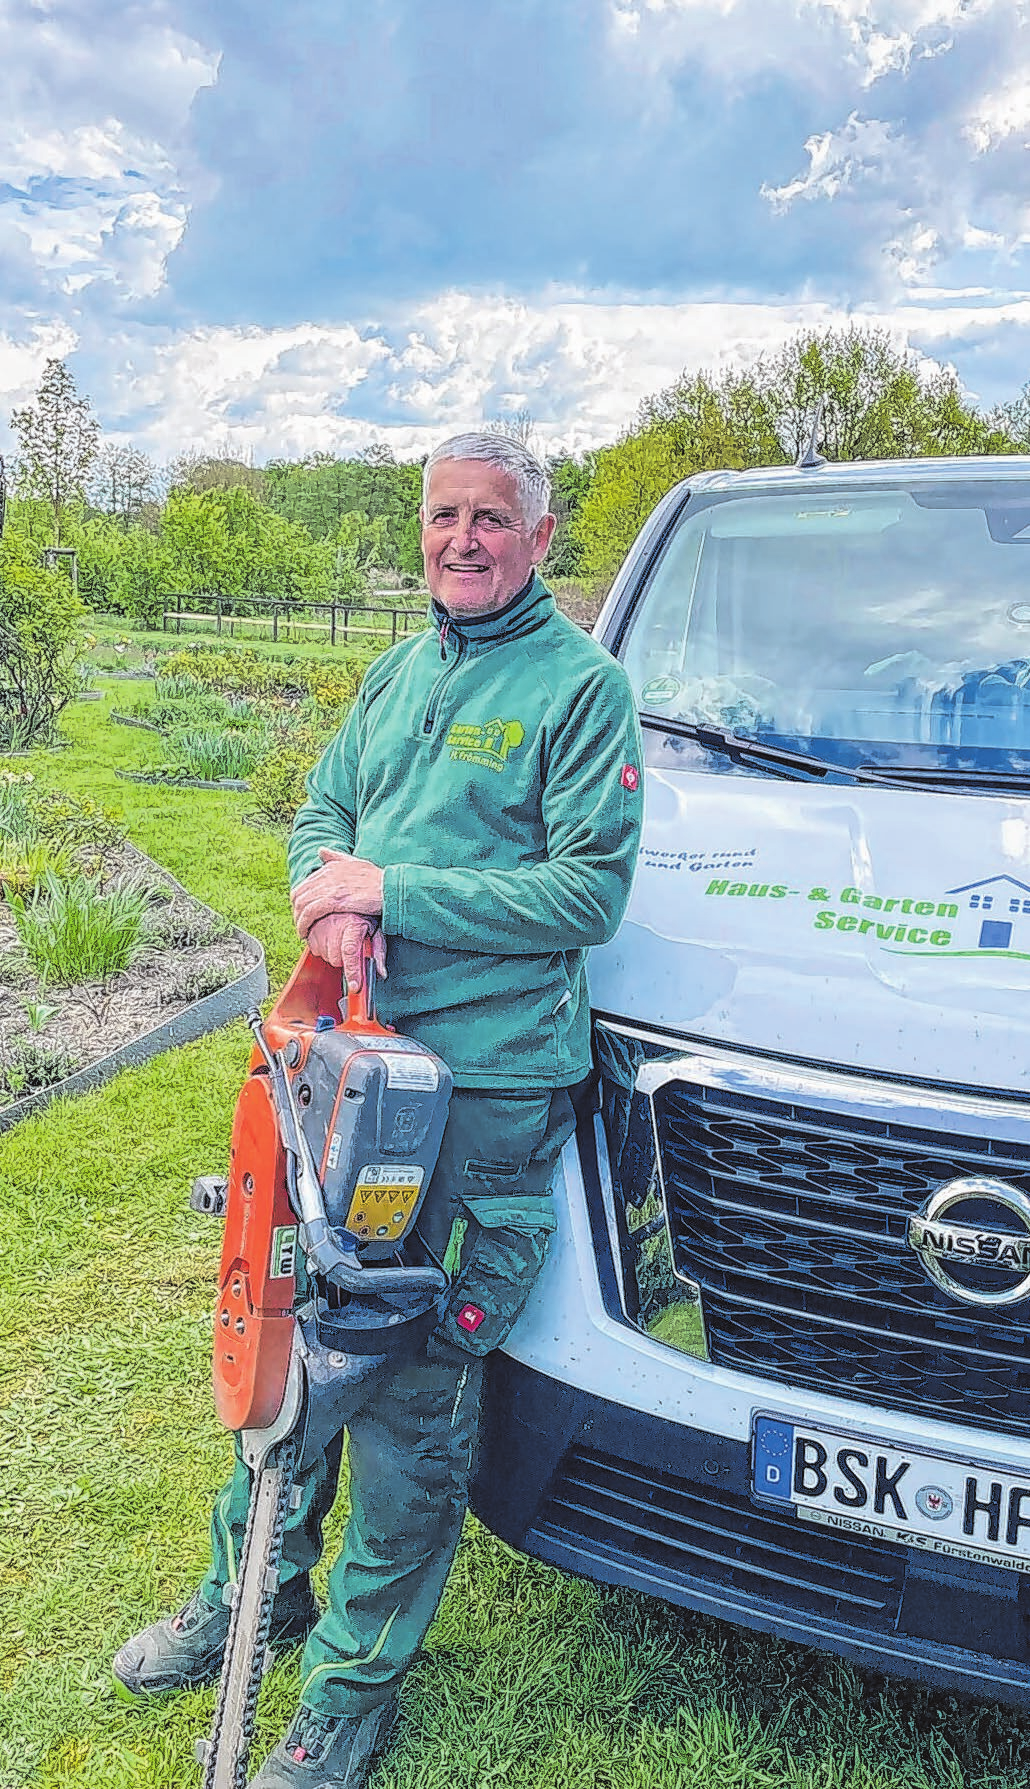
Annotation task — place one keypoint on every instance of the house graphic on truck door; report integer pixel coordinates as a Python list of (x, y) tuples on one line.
[(999, 908)]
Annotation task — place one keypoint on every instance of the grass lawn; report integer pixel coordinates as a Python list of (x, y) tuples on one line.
[(111, 1456)]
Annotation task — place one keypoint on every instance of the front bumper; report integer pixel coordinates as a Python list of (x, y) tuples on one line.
[(628, 1498)]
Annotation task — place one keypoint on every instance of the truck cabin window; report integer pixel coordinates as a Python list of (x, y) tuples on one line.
[(877, 626)]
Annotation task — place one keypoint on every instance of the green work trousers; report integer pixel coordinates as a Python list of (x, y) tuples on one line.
[(488, 1214)]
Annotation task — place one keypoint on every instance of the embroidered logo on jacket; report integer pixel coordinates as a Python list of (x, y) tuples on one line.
[(488, 744)]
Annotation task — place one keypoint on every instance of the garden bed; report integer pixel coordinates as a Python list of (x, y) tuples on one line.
[(233, 721), (187, 972)]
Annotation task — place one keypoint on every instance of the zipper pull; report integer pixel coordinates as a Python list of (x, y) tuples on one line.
[(444, 631)]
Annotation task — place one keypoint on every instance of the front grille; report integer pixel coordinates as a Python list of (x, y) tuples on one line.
[(684, 1534), (793, 1222)]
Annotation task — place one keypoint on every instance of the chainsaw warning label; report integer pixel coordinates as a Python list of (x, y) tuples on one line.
[(384, 1199), (412, 1072), (284, 1251)]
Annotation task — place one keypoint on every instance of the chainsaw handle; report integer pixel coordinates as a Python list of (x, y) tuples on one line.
[(360, 1001), (384, 1278)]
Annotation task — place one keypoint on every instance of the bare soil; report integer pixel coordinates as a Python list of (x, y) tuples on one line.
[(190, 952)]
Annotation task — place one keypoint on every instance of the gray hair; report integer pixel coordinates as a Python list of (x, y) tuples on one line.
[(531, 480)]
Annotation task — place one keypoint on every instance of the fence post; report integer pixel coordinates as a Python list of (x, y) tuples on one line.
[(332, 623), (275, 621)]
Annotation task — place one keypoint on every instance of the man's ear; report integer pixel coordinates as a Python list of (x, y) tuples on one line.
[(543, 534)]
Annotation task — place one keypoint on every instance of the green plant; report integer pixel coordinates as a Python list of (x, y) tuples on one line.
[(181, 934), (239, 671), (211, 754), (31, 1066), (197, 985), (25, 865), (38, 1012), (171, 686), (277, 781), (72, 822), (40, 645), (17, 818), (72, 932), (30, 815)]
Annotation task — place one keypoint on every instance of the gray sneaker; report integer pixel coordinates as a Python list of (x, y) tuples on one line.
[(184, 1651), (328, 1751)]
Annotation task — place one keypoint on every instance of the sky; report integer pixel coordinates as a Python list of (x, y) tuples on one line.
[(301, 229)]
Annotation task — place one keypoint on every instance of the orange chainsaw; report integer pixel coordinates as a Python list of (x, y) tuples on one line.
[(336, 1134)]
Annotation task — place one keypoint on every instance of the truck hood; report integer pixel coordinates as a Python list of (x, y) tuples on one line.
[(875, 929)]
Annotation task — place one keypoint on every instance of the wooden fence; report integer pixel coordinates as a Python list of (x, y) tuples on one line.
[(290, 620)]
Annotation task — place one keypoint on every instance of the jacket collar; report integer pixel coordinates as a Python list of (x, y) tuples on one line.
[(527, 610)]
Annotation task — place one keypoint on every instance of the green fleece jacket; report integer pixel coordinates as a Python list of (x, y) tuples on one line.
[(492, 767)]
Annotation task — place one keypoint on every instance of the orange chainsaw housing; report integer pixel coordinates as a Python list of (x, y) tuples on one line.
[(257, 1278)]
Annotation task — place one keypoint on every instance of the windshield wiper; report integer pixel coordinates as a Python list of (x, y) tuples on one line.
[(943, 775), (800, 767)]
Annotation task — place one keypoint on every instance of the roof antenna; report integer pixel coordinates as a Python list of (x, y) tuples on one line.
[(811, 458)]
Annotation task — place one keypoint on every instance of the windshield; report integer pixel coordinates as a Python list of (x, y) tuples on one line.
[(886, 626)]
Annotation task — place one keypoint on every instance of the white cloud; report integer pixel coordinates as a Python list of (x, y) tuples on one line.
[(579, 365), (812, 40), (936, 155), (92, 144), (840, 157), (836, 160), (1001, 115), (22, 362)]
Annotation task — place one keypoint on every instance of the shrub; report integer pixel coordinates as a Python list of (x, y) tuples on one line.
[(74, 822), (31, 815), (71, 931), (238, 671), (39, 646), (277, 782)]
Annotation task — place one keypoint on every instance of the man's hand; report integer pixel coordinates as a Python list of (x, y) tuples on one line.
[(344, 884), (339, 939)]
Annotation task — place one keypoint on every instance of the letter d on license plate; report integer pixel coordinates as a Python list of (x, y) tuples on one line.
[(855, 1483)]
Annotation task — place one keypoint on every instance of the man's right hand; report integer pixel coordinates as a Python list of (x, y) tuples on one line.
[(339, 939)]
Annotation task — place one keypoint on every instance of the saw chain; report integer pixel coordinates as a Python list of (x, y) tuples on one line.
[(250, 1621)]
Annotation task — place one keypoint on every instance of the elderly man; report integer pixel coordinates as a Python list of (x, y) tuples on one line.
[(478, 817)]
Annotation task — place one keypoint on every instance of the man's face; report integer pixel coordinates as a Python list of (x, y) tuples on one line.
[(477, 549)]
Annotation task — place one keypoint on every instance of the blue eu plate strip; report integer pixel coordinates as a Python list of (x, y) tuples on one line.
[(774, 1449)]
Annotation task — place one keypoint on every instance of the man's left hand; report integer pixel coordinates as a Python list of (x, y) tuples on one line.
[(344, 884)]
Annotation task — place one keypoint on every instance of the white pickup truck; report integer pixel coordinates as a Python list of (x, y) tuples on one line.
[(777, 1366)]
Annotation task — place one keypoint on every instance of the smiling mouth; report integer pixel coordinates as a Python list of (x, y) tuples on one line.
[(465, 568)]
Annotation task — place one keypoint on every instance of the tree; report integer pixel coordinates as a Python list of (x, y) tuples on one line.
[(123, 480), (516, 427), (628, 479), (878, 401), (570, 482), (58, 438), (1012, 421), (226, 469), (39, 645)]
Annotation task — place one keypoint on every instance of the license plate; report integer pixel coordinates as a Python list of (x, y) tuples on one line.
[(887, 1493)]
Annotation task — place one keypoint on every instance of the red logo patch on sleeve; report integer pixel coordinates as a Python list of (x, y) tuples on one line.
[(630, 776), (470, 1317)]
